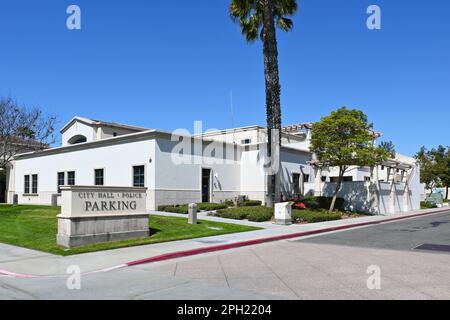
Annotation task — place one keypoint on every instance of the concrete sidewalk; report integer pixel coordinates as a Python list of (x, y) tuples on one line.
[(29, 262)]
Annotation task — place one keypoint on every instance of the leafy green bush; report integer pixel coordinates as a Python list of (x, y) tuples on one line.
[(315, 203), (250, 203), (184, 209), (428, 205), (314, 216), (229, 203), (211, 206), (256, 214)]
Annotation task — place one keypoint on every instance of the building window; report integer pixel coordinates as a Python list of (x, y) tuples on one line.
[(60, 180), (99, 177), (139, 176), (71, 178), (367, 179), (306, 178), (26, 188), (34, 184), (296, 181), (246, 141), (324, 178)]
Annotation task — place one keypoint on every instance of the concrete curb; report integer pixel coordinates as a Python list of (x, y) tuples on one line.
[(192, 252)]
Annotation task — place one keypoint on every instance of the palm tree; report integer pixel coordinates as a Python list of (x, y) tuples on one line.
[(257, 19)]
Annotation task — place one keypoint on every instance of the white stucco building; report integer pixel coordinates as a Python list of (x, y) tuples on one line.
[(209, 167)]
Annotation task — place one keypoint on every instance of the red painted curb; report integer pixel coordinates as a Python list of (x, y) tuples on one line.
[(192, 252)]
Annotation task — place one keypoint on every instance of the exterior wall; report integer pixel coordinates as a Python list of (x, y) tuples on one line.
[(381, 198), (253, 178), (236, 136), (180, 183), (294, 162), (79, 128), (117, 161), (108, 132)]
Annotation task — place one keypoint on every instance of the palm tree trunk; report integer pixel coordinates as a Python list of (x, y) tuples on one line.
[(273, 91)]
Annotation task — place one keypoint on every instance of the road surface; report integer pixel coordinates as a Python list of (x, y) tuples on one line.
[(330, 266)]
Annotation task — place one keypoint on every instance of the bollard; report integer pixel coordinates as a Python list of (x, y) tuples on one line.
[(192, 214), (55, 200)]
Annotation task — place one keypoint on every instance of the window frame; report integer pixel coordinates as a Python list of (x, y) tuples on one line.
[(26, 184), (74, 177), (58, 186), (34, 189), (103, 176), (143, 175)]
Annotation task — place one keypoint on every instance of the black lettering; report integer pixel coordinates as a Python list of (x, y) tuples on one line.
[(112, 206), (88, 205)]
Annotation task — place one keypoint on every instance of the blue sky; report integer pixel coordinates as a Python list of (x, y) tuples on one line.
[(164, 64)]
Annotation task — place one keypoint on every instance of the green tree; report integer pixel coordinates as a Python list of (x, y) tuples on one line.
[(343, 139), (259, 19), (441, 159), (389, 147), (427, 169)]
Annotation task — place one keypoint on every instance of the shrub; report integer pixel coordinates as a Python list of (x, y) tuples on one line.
[(315, 203), (250, 203), (314, 216), (211, 206), (229, 203), (428, 205), (184, 209), (256, 214)]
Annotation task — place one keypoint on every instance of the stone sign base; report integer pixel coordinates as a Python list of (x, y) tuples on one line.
[(79, 231)]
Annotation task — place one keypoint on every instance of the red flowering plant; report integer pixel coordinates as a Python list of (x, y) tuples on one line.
[(299, 205)]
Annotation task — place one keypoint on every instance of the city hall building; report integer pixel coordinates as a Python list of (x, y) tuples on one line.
[(208, 167)]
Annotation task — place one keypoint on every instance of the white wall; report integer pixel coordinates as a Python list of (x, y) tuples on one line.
[(117, 161), (79, 128), (180, 183), (294, 162)]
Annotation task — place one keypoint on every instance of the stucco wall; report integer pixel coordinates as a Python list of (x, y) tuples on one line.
[(117, 161), (79, 128)]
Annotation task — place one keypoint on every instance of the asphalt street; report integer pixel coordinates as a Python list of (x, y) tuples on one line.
[(403, 235), (331, 266)]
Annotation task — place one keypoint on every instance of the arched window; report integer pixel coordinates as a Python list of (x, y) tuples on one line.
[(77, 139)]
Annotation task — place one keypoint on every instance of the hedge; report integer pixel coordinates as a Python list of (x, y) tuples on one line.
[(184, 208), (250, 203), (314, 216), (315, 203), (252, 213), (427, 205)]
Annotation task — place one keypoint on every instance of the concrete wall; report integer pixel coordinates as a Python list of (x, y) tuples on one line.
[(382, 198)]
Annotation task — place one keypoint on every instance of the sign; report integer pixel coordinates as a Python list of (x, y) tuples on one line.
[(77, 200), (102, 214)]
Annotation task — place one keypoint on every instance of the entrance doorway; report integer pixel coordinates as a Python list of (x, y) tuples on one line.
[(206, 185)]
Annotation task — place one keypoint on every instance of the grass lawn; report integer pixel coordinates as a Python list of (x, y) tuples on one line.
[(35, 227)]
